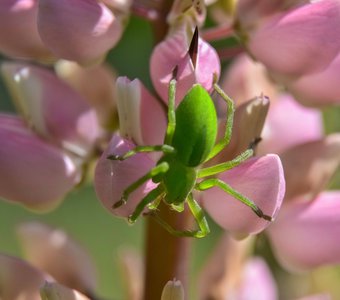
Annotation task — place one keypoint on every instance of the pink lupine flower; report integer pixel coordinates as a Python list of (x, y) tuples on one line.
[(305, 235), (97, 86), (21, 39), (299, 41), (309, 161), (56, 253), (231, 274), (251, 12), (142, 122), (51, 252), (246, 79), (19, 280), (55, 172), (58, 137), (81, 31), (308, 166), (257, 282), (280, 132), (318, 89), (52, 108), (112, 177), (172, 52), (143, 118), (261, 179)]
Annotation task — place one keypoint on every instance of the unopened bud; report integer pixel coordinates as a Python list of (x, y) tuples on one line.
[(173, 290)]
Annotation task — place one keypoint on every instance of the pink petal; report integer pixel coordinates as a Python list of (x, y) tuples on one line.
[(318, 89), (172, 52), (131, 265), (306, 233), (54, 109), (259, 179), (112, 177), (142, 118), (78, 30), (21, 39), (57, 254), (299, 41), (246, 79), (97, 86), (288, 124), (56, 291), (249, 120), (33, 172), (19, 280), (222, 272), (309, 167), (257, 282), (251, 12)]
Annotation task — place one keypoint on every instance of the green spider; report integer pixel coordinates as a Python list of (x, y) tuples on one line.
[(189, 142)]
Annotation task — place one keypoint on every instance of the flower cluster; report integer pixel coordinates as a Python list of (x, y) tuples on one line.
[(243, 142)]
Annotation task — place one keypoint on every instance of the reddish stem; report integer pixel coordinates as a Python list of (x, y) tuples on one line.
[(217, 33), (167, 256), (230, 52)]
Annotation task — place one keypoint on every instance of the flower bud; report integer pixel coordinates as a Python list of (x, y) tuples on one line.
[(57, 254), (33, 172), (19, 280), (52, 108), (82, 31), (173, 290), (310, 166), (318, 89), (21, 39), (289, 43), (142, 118)]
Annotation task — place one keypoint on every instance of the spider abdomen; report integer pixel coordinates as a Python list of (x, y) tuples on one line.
[(196, 127)]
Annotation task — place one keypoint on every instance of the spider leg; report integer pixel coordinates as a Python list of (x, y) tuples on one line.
[(153, 195), (143, 149), (219, 168), (198, 214), (155, 171), (229, 123), (214, 182)]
